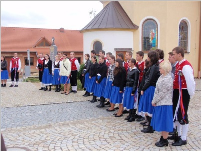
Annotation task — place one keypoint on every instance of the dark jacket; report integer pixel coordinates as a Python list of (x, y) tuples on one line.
[(120, 79), (4, 65), (93, 69), (151, 77), (87, 66), (132, 79), (143, 80), (49, 65), (102, 70)]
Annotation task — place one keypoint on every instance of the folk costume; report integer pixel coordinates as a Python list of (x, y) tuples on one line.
[(75, 66), (47, 74), (15, 66), (39, 66), (4, 72), (56, 76), (86, 76), (184, 88), (65, 71)]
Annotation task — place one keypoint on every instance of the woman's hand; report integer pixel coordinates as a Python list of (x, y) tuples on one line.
[(153, 104), (142, 92), (96, 81), (89, 77), (120, 91), (132, 94)]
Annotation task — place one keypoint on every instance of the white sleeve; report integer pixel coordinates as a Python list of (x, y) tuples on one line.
[(189, 77), (10, 65), (77, 65), (37, 64), (19, 62), (68, 68)]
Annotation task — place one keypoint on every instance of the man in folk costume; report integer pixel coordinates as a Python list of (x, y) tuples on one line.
[(184, 88), (39, 66), (161, 55), (107, 58), (15, 66), (75, 66), (102, 54)]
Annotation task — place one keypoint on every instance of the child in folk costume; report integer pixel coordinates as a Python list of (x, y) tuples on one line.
[(15, 66), (65, 72), (100, 81), (118, 86), (131, 92), (75, 66), (4, 72), (92, 77), (147, 91), (184, 88), (47, 73), (39, 66), (86, 74), (162, 119), (110, 78), (56, 76)]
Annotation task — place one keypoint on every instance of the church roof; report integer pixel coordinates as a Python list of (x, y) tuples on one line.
[(111, 16)]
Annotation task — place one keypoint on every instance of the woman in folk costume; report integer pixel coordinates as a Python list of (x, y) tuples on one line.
[(118, 86), (162, 118), (86, 74), (110, 78), (92, 77), (65, 71), (100, 81), (147, 91), (131, 93), (56, 76), (4, 72), (47, 73)]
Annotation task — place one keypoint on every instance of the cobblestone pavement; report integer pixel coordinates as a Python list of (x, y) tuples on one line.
[(82, 126)]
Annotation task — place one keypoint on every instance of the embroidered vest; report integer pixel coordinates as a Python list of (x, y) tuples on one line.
[(15, 62), (73, 65)]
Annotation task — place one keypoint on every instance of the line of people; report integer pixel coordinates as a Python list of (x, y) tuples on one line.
[(153, 90)]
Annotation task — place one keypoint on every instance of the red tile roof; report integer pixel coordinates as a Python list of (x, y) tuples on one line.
[(17, 39)]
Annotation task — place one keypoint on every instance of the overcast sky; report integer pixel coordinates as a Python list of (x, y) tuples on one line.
[(73, 15)]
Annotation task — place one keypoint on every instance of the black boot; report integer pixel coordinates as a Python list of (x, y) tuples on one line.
[(133, 115), (45, 88), (149, 129), (87, 94), (128, 117), (162, 142), (42, 88), (102, 100), (94, 99), (159, 140), (4, 85), (49, 88), (56, 88), (59, 88)]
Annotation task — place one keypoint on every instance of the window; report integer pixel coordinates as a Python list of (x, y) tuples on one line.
[(149, 35), (97, 46), (31, 61), (183, 35)]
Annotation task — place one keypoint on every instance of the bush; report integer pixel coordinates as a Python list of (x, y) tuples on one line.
[(80, 71)]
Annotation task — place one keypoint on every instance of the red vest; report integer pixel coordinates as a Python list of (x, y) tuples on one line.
[(40, 62), (183, 81), (141, 68), (107, 63), (126, 66), (61, 58), (15, 62), (73, 65)]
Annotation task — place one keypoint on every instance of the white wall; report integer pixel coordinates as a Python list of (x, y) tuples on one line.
[(109, 40)]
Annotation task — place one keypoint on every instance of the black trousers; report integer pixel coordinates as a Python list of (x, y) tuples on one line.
[(14, 74), (186, 99), (40, 75), (73, 78)]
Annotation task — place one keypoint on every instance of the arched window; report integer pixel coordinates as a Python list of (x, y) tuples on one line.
[(97, 46), (183, 35), (149, 35)]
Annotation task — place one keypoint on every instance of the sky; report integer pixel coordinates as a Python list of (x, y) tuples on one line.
[(71, 15)]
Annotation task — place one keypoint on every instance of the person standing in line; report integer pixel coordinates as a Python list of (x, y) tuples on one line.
[(56, 77), (4, 72), (102, 54), (118, 85), (86, 74), (60, 54), (173, 63), (161, 55), (124, 64), (65, 72), (47, 73), (184, 89), (131, 91), (39, 66), (107, 58), (162, 120), (15, 66), (75, 66)]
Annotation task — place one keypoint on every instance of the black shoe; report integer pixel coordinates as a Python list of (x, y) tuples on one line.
[(110, 110), (127, 118), (41, 88), (108, 103), (131, 119), (140, 119), (125, 111), (180, 142), (2, 85), (159, 140), (161, 143), (119, 115), (116, 108), (149, 129), (15, 85), (11, 85), (102, 100), (94, 99), (49, 88), (45, 88), (144, 123), (171, 137), (87, 94)]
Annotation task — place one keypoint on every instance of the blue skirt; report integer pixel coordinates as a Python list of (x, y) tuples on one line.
[(46, 78), (116, 96), (91, 84), (145, 101), (86, 80), (56, 77), (128, 100), (99, 88), (63, 80), (108, 88), (4, 74), (162, 119)]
